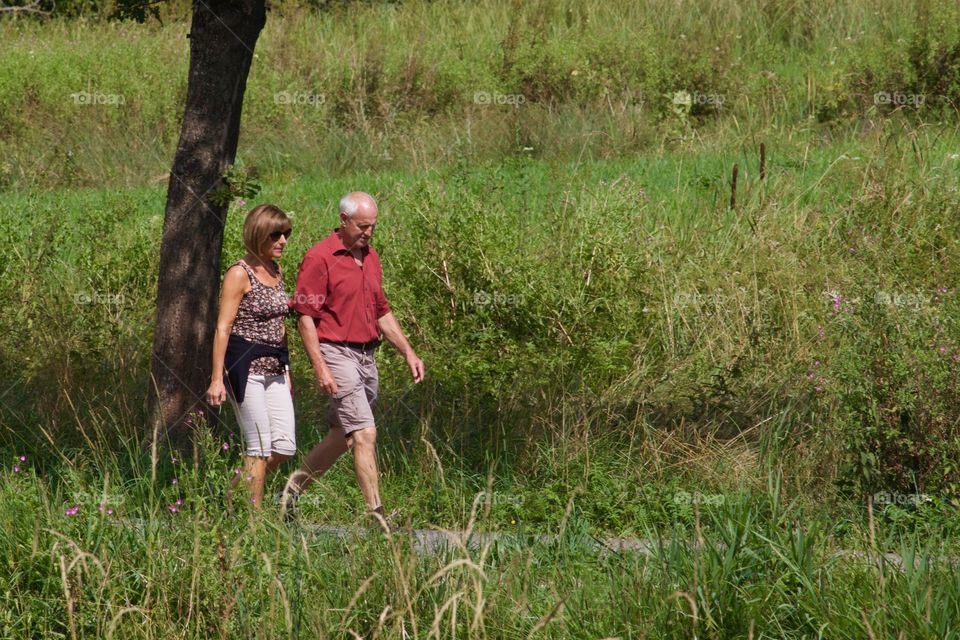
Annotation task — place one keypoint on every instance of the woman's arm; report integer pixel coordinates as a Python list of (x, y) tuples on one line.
[(235, 284)]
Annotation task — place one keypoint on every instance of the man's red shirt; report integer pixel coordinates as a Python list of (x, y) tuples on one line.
[(344, 299)]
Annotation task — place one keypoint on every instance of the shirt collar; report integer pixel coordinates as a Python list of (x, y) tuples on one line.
[(337, 246)]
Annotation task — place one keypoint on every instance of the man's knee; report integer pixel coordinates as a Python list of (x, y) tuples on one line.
[(362, 438)]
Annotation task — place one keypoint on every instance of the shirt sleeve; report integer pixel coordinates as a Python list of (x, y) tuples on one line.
[(311, 292), (383, 307)]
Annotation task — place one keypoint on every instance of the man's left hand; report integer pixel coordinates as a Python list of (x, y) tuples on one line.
[(416, 367)]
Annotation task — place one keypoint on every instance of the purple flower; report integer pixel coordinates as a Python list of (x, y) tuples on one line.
[(226, 446), (173, 508), (249, 477), (23, 458), (72, 511), (174, 481), (16, 468), (943, 349)]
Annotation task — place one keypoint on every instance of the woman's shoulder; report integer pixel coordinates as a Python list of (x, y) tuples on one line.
[(237, 275)]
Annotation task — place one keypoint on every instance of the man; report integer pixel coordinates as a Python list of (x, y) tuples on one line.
[(344, 312)]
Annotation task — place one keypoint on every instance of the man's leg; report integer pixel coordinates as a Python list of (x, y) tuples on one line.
[(365, 464), (319, 459)]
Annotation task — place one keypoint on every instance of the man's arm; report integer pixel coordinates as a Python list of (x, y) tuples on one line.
[(391, 330), (311, 344)]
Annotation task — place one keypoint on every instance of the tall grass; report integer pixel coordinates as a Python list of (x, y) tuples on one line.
[(165, 560), (374, 86)]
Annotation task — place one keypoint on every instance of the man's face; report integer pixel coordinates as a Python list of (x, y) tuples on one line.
[(357, 231)]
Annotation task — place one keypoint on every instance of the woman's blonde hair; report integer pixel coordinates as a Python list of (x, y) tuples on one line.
[(261, 221)]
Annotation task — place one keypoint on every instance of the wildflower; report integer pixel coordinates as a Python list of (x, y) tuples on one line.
[(943, 349), (174, 481), (811, 375), (836, 300), (226, 446), (173, 461), (249, 477), (172, 508), (236, 472), (16, 468), (72, 511), (179, 502), (103, 507), (23, 458)]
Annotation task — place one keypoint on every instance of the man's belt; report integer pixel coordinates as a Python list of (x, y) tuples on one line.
[(360, 346)]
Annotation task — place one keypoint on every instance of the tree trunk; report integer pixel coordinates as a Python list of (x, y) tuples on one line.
[(223, 34)]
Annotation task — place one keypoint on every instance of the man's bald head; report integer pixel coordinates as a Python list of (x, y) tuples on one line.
[(356, 201), (358, 219)]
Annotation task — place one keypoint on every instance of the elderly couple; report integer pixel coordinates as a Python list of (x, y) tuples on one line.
[(342, 314)]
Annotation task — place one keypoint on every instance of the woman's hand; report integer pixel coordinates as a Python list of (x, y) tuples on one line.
[(216, 393)]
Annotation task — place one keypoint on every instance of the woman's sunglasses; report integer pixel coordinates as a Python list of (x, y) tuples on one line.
[(276, 234)]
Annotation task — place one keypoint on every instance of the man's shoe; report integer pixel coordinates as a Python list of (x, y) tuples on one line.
[(287, 501), (384, 522)]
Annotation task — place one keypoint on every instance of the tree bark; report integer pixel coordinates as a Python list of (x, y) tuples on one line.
[(223, 34)]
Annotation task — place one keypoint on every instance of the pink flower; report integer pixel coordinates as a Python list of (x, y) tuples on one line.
[(173, 508), (174, 481), (72, 511), (16, 468), (23, 458), (226, 446)]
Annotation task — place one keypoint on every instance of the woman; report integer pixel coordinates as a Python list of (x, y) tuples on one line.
[(251, 343)]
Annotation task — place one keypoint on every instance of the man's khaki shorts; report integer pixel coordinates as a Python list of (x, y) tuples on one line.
[(357, 382)]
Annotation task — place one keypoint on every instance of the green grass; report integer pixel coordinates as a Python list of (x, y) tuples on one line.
[(746, 563), (387, 86), (605, 339)]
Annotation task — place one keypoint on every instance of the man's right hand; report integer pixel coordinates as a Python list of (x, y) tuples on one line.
[(327, 384)]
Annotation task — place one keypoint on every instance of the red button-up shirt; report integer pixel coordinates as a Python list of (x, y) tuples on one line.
[(344, 299)]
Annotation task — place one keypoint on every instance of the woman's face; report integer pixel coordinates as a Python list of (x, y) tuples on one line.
[(276, 241)]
